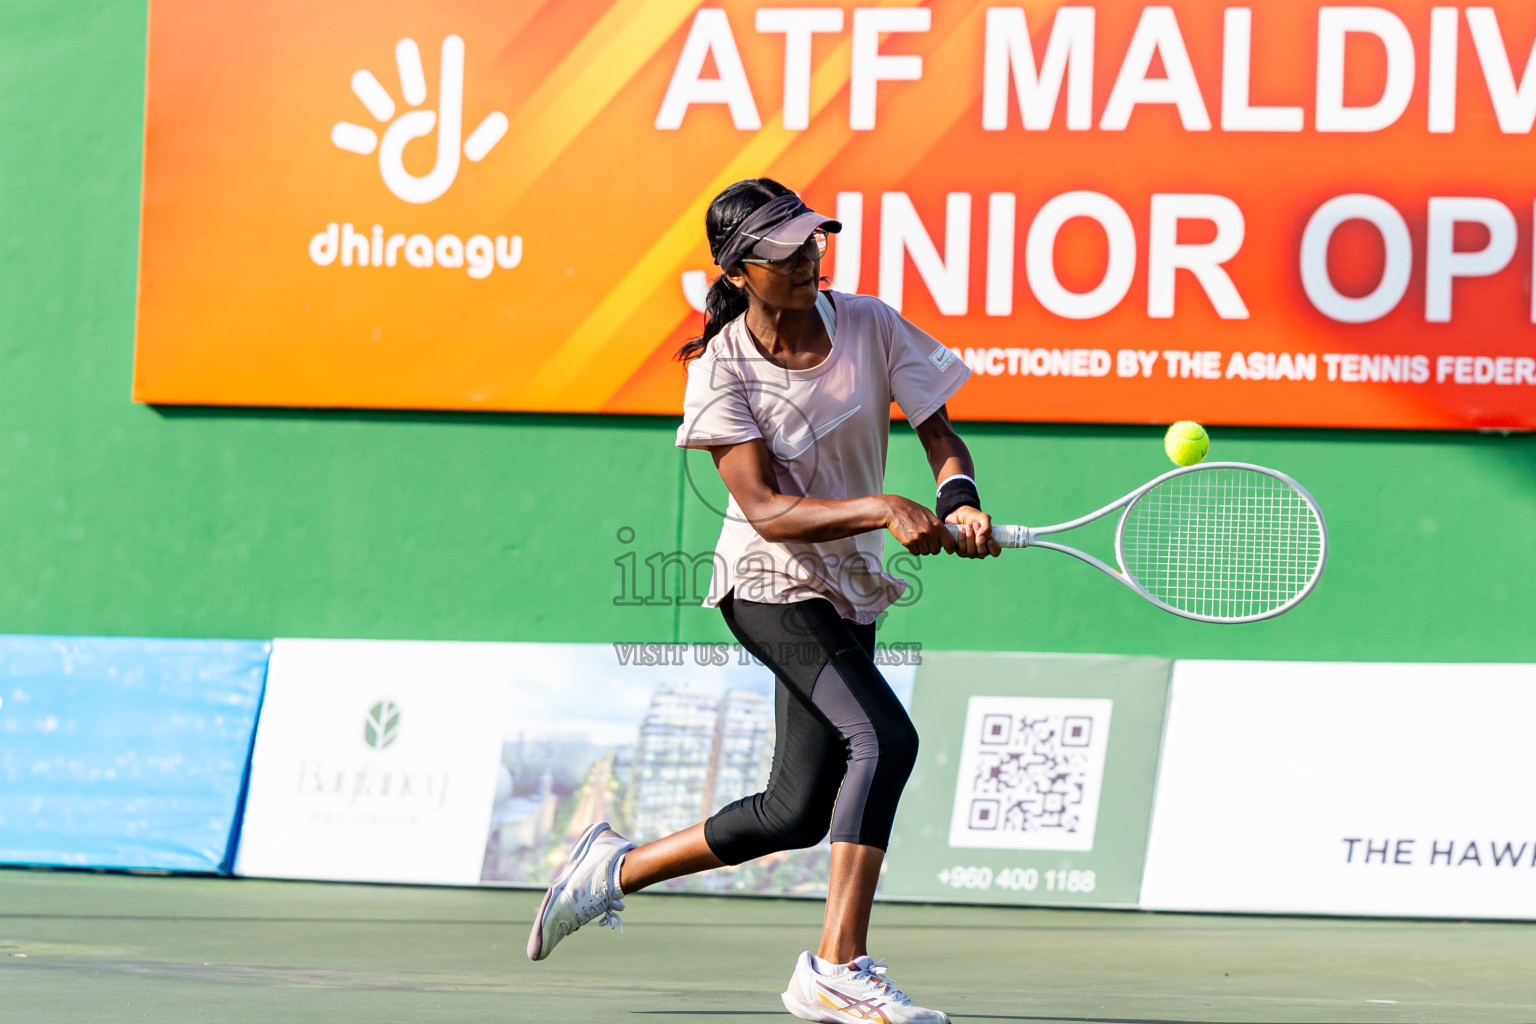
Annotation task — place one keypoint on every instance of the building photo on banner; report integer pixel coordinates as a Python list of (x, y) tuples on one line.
[(471, 763)]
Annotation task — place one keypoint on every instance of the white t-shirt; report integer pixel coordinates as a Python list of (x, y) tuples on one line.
[(827, 429)]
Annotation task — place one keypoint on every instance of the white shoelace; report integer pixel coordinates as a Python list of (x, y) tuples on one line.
[(874, 974), (590, 904)]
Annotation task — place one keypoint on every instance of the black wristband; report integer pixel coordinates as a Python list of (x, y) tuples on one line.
[(956, 492)]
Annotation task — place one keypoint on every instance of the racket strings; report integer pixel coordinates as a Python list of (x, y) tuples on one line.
[(1223, 544)]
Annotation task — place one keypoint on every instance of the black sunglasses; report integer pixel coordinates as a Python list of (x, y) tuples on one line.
[(815, 248)]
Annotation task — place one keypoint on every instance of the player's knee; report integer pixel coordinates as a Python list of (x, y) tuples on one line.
[(795, 817), (898, 750), (803, 829), (891, 749)]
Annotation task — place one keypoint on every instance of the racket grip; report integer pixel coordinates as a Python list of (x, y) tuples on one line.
[(1006, 536)]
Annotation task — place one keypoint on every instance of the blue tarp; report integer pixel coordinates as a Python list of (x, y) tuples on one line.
[(125, 753)]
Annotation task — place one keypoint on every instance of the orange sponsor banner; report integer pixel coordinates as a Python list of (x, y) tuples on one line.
[(1281, 213)]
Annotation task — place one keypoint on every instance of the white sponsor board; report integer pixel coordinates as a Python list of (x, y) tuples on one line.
[(1030, 773), (1346, 788), (375, 761), (471, 763)]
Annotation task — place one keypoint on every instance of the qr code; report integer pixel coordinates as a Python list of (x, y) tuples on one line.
[(1030, 773)]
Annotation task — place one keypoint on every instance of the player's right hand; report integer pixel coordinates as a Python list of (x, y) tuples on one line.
[(915, 527), (975, 539)]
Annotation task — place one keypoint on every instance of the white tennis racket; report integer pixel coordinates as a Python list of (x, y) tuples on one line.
[(1217, 542)]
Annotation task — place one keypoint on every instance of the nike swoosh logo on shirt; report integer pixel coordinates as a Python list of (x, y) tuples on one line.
[(799, 448)]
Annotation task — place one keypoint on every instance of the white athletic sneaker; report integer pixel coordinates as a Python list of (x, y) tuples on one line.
[(856, 993), (586, 887)]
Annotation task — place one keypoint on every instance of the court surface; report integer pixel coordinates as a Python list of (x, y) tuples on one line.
[(84, 948)]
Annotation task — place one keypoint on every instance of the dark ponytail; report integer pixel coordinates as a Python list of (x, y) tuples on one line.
[(725, 302)]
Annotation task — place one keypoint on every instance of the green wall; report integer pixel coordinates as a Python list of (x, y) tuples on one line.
[(123, 519)]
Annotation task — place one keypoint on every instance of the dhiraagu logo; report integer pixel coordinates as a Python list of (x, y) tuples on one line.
[(342, 242), (448, 119)]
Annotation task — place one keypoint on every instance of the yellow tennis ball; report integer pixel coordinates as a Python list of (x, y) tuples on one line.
[(1186, 443)]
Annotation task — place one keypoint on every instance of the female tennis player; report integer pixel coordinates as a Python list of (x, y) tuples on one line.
[(790, 389)]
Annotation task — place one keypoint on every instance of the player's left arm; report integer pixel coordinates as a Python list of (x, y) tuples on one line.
[(948, 456)]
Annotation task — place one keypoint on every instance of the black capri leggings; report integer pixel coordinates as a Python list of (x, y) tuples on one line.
[(844, 745)]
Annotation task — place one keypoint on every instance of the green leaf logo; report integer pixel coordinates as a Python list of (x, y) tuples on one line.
[(382, 725)]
